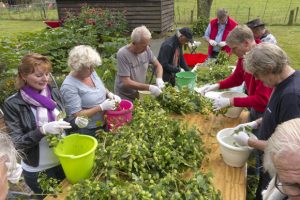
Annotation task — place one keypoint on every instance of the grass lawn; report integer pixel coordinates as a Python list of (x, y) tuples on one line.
[(9, 28)]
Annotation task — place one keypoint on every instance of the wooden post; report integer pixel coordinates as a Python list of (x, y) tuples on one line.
[(291, 17), (249, 11), (192, 16), (296, 15)]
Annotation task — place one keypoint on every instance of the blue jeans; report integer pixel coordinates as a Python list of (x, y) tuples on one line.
[(32, 177)]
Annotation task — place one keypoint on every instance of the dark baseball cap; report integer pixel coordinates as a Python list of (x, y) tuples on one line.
[(255, 23), (187, 33)]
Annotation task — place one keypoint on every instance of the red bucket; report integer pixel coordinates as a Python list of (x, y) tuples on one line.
[(192, 59), (120, 116), (53, 24)]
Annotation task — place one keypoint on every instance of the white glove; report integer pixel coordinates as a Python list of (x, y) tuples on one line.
[(182, 70), (222, 44), (196, 43), (220, 103), (13, 172), (108, 104), (160, 83), (252, 124), (154, 90), (114, 97), (212, 43), (241, 138), (55, 127), (207, 88), (81, 122)]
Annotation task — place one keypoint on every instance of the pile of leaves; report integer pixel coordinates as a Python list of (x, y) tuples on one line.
[(147, 160), (186, 101), (215, 71)]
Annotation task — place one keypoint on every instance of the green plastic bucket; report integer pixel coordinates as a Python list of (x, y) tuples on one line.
[(76, 154), (186, 79)]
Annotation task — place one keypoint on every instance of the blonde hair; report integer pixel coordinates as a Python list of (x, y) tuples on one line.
[(28, 64), (140, 32), (240, 34), (83, 56), (286, 138), (265, 58)]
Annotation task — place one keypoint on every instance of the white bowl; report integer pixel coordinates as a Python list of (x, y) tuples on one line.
[(235, 156), (233, 112)]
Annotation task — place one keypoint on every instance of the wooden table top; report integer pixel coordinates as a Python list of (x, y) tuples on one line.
[(231, 181)]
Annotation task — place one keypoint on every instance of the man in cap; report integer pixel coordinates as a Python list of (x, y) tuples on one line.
[(171, 54), (217, 31), (260, 32)]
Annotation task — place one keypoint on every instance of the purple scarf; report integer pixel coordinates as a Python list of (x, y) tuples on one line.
[(37, 100)]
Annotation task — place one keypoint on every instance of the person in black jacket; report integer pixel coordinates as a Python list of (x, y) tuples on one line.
[(32, 113), (171, 54)]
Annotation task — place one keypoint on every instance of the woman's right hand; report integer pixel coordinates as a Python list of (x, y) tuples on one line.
[(55, 127), (108, 104)]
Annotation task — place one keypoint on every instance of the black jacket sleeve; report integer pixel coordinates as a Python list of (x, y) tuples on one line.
[(182, 62), (165, 55)]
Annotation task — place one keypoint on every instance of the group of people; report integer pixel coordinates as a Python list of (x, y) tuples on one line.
[(271, 84)]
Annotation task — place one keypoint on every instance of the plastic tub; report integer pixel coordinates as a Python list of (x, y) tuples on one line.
[(186, 79), (192, 59), (233, 112), (235, 156), (53, 24), (76, 154), (120, 116)]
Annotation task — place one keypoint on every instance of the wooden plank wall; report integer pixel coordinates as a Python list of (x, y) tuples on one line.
[(157, 15)]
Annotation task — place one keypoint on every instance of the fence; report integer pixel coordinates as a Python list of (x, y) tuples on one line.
[(270, 11), (33, 11)]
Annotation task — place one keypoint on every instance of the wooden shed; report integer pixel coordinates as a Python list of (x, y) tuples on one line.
[(157, 15)]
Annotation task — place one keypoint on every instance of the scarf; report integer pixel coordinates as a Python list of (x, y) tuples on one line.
[(42, 102)]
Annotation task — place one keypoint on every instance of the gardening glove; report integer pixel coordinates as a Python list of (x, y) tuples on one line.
[(212, 43), (114, 97), (55, 127), (81, 122), (154, 90), (222, 44), (182, 70), (13, 172), (160, 83), (241, 138), (207, 88), (220, 103), (108, 104), (252, 124)]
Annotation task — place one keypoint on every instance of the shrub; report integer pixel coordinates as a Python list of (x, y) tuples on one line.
[(200, 26)]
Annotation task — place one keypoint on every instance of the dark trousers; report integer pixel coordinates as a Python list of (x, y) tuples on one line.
[(32, 177)]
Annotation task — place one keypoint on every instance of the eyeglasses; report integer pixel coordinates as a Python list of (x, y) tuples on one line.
[(292, 190)]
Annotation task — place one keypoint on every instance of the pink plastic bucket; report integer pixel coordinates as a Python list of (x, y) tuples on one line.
[(120, 116)]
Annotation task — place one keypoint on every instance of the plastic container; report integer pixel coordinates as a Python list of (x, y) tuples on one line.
[(235, 156), (120, 116), (186, 79), (233, 112), (53, 24), (192, 59), (76, 154), (144, 93)]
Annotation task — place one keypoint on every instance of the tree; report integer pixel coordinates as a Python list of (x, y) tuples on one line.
[(203, 8)]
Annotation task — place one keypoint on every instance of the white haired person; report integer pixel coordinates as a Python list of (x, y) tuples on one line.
[(83, 91), (171, 54), (269, 63), (217, 31), (282, 161), (33, 112), (10, 170), (133, 62)]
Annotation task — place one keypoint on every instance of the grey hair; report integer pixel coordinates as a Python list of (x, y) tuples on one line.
[(286, 138), (83, 56), (265, 58), (8, 149), (221, 13), (240, 34), (140, 32)]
